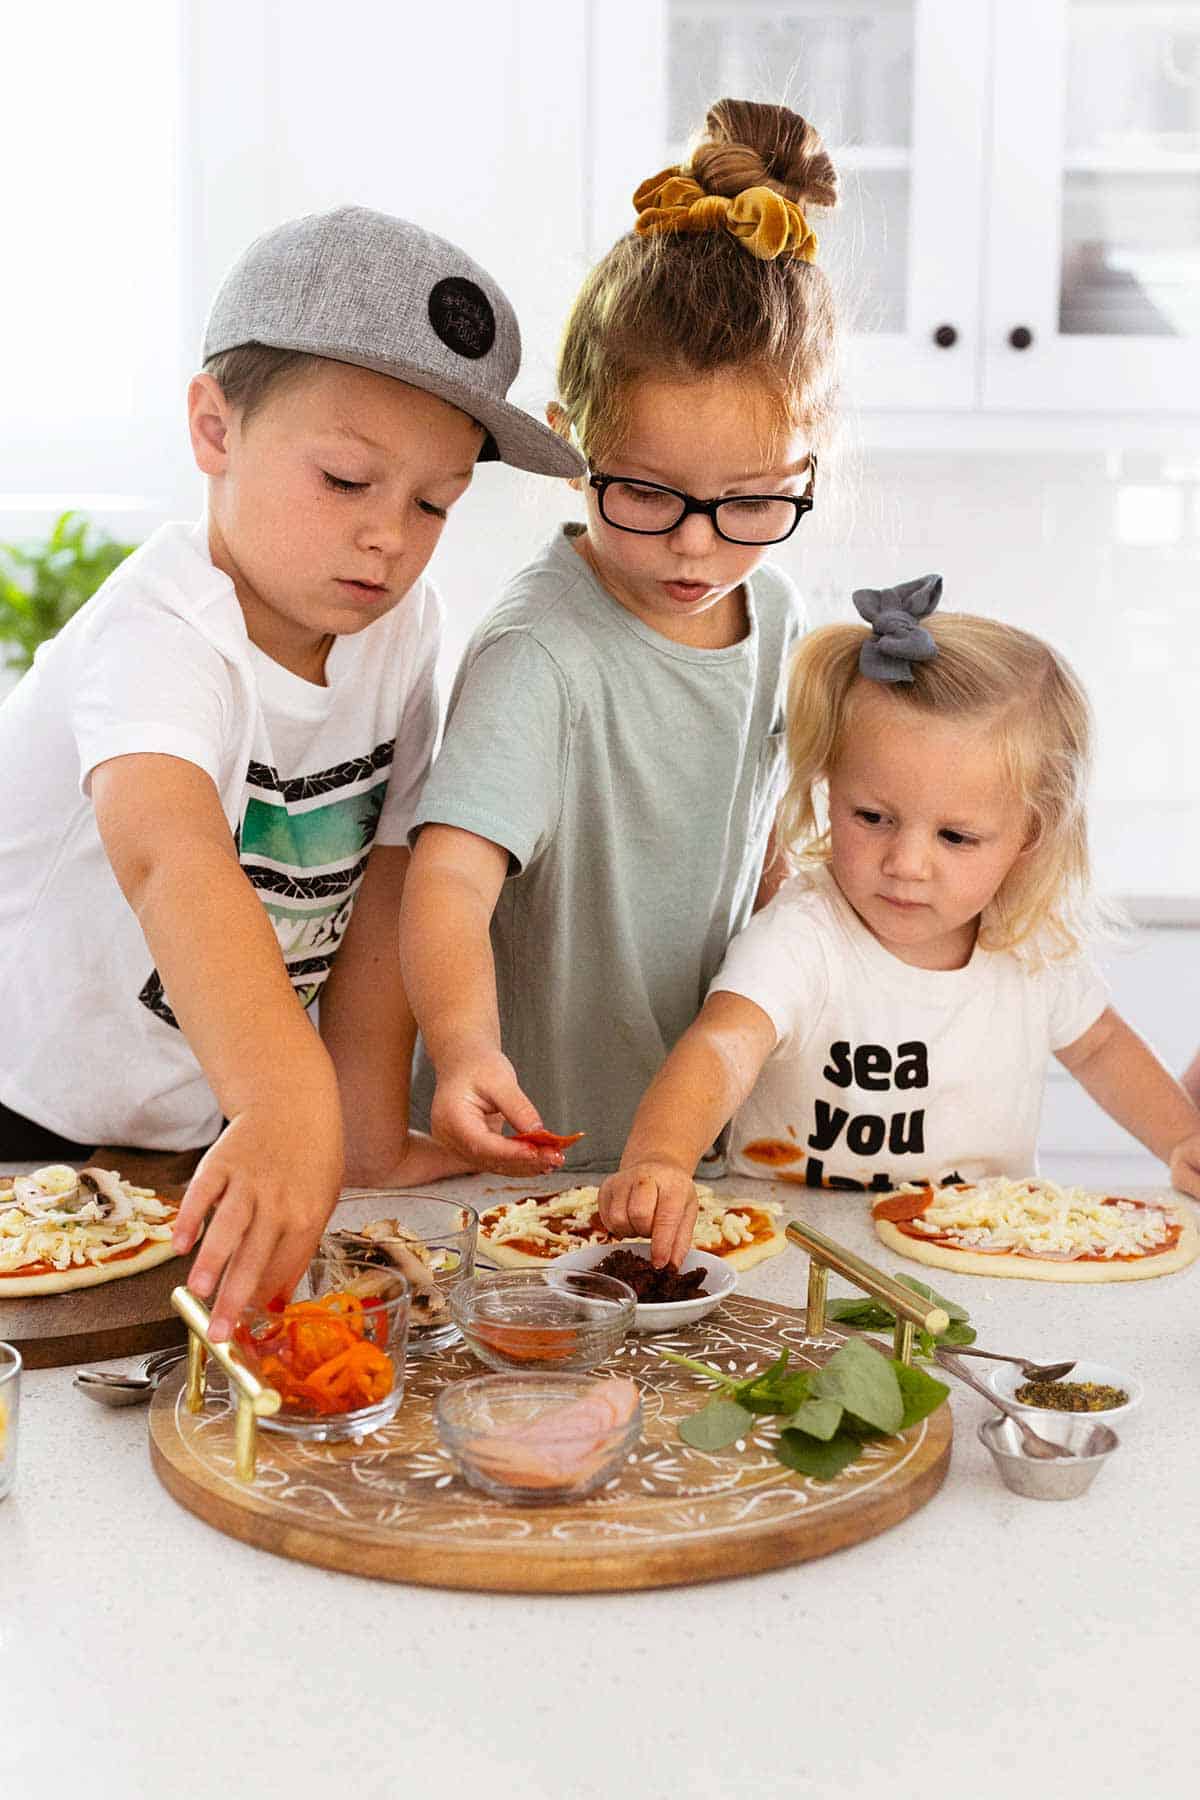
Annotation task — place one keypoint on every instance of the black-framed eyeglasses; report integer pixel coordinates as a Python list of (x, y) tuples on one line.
[(651, 510)]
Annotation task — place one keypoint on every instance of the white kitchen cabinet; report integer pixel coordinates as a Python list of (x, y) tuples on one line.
[(1020, 227), (1094, 239)]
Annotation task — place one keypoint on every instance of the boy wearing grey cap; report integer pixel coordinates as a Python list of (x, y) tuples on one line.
[(210, 774)]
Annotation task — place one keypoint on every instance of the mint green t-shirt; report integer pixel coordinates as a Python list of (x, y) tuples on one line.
[(633, 782)]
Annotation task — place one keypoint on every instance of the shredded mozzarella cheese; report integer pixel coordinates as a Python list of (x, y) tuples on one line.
[(561, 1219), (1045, 1219), (67, 1240)]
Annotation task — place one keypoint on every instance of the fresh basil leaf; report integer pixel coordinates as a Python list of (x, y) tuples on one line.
[(958, 1333), (862, 1315), (819, 1418), (920, 1393), (783, 1395), (864, 1382), (764, 1377), (809, 1456), (927, 1293), (776, 1389), (716, 1425)]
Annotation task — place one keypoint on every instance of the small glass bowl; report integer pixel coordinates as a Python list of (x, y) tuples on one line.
[(263, 1343), (519, 1320), (466, 1411), (448, 1232)]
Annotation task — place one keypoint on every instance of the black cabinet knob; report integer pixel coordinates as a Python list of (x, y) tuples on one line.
[(945, 337), (1020, 337)]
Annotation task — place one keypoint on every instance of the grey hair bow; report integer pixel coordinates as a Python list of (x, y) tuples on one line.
[(897, 641)]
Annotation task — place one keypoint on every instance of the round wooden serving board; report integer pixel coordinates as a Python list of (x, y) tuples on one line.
[(395, 1507), (125, 1317)]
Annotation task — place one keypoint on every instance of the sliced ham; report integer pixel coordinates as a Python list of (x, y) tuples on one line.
[(561, 1446)]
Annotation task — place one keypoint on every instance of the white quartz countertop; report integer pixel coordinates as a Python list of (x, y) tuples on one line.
[(988, 1646)]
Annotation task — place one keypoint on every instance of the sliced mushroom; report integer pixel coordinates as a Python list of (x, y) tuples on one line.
[(47, 1193), (104, 1185), (386, 1243)]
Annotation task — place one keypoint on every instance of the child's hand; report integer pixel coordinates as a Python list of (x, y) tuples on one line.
[(471, 1104), (422, 1161), (1185, 1166), (655, 1200), (274, 1181)]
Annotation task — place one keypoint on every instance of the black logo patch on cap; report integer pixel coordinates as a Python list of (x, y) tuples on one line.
[(461, 314)]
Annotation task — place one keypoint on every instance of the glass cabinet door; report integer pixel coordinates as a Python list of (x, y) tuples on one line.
[(1094, 283), (1129, 263), (902, 246), (847, 66)]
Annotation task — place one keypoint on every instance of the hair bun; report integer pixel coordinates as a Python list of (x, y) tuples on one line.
[(746, 144)]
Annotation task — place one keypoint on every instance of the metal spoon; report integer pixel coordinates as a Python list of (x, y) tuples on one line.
[(128, 1390), (1030, 1370), (1035, 1445)]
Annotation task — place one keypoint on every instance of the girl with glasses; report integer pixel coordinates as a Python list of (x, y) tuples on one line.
[(598, 824), (889, 1017)]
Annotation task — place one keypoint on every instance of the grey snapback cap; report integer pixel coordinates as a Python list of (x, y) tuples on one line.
[(361, 287)]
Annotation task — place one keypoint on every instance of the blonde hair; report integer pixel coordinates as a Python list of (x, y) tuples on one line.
[(682, 307), (1038, 717)]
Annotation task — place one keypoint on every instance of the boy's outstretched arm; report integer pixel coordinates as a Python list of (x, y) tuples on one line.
[(698, 1089), (446, 958), (273, 1174), (1123, 1075), (368, 1028)]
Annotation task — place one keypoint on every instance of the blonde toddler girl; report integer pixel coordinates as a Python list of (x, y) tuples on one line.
[(889, 1017)]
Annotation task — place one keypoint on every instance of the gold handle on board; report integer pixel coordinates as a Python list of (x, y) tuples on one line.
[(254, 1401), (824, 1254)]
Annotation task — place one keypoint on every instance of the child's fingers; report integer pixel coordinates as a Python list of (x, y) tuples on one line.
[(243, 1274), (673, 1218), (204, 1190), (645, 1204), (288, 1261), (229, 1225), (614, 1205), (683, 1234)]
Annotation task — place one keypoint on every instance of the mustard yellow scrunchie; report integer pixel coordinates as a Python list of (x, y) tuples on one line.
[(764, 222)]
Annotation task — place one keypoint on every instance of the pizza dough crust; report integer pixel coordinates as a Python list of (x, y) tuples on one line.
[(65, 1281), (746, 1256), (1027, 1268)]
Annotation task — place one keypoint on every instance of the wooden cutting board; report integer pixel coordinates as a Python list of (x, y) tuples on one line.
[(394, 1507), (125, 1317)]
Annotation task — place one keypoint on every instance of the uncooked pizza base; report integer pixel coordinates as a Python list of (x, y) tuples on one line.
[(1027, 1268), (745, 1256), (82, 1275)]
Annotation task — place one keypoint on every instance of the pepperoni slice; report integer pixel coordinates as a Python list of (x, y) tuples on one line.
[(903, 1206), (541, 1139)]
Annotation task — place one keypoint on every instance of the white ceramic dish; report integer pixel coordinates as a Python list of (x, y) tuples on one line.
[(662, 1315), (1006, 1378)]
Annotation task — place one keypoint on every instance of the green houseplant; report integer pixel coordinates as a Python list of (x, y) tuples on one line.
[(42, 585)]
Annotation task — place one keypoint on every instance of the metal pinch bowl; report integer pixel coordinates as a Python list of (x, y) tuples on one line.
[(111, 1389)]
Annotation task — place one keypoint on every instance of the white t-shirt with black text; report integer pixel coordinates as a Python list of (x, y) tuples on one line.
[(884, 1073), (309, 778)]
